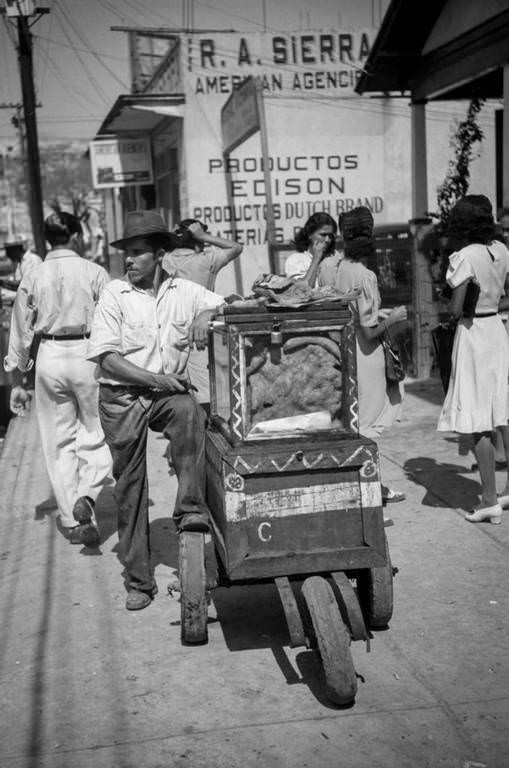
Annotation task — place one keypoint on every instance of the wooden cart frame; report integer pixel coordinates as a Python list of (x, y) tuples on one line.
[(303, 511)]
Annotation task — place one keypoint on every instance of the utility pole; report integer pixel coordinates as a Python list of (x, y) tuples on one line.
[(22, 11)]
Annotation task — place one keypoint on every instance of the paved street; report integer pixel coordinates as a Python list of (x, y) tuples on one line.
[(87, 684)]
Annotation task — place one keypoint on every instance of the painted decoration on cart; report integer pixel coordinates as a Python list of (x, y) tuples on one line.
[(362, 456), (309, 500)]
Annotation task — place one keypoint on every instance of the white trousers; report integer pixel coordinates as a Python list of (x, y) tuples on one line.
[(67, 395)]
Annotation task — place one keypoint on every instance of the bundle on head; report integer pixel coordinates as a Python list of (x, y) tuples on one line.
[(357, 229), (471, 220)]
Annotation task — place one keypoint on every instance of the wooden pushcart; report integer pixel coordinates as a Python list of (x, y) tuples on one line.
[(302, 508)]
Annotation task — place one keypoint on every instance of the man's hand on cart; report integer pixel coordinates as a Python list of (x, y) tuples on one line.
[(199, 329), (20, 400)]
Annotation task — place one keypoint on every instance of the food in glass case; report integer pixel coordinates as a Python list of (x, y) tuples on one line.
[(300, 375)]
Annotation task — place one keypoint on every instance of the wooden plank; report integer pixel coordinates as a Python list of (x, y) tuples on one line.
[(267, 566), (352, 607), (193, 603), (292, 613), (333, 640)]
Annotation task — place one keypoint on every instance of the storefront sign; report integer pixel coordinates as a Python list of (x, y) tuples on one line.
[(239, 116), (327, 61), (323, 154), (120, 162)]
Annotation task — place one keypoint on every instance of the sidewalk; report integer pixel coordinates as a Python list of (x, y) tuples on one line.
[(87, 684)]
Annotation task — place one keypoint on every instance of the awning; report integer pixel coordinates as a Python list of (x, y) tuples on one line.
[(141, 113)]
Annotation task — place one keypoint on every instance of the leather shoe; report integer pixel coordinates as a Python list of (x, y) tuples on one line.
[(137, 600), (193, 521), (83, 510), (88, 535), (491, 514)]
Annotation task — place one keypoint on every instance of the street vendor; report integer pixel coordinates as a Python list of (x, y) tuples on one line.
[(143, 329), (199, 256)]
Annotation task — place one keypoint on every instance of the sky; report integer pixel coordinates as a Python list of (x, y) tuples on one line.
[(81, 66)]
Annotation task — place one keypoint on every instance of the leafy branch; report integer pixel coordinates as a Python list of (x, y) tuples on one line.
[(457, 179)]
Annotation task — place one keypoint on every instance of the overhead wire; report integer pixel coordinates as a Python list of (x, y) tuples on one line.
[(79, 34), (134, 21), (42, 76), (75, 92), (60, 44), (134, 6), (5, 69), (92, 78)]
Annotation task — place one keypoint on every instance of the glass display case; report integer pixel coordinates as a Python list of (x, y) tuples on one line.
[(283, 373)]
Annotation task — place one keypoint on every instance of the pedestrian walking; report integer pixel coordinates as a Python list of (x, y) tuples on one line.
[(199, 256), (142, 331), (54, 306), (476, 400), (24, 258), (379, 399)]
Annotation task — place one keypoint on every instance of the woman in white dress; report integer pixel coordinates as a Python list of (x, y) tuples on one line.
[(476, 400), (315, 244)]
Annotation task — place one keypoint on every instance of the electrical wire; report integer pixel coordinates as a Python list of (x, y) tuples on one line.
[(5, 69), (42, 76), (135, 7), (87, 44), (75, 93), (100, 92), (60, 44), (115, 12)]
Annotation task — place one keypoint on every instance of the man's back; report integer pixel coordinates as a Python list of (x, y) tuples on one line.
[(63, 291)]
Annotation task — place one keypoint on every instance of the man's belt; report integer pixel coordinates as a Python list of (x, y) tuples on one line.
[(64, 336)]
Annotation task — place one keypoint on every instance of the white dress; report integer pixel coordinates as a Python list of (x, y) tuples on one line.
[(476, 399)]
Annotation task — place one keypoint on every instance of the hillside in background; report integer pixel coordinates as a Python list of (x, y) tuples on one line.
[(65, 174)]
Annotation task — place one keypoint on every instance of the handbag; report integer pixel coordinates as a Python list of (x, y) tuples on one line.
[(394, 372), (443, 342)]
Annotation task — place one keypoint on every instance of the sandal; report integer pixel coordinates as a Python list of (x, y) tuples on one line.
[(389, 496)]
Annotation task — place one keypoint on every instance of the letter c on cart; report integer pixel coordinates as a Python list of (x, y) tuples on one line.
[(261, 532)]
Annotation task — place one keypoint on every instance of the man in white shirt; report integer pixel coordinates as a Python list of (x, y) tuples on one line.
[(24, 259), (143, 329), (54, 305)]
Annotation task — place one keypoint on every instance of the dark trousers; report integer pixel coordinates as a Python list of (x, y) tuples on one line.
[(126, 415)]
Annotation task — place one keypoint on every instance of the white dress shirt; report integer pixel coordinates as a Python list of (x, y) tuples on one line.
[(147, 330), (58, 298)]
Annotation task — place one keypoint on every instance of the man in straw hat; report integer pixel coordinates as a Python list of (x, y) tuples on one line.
[(143, 329)]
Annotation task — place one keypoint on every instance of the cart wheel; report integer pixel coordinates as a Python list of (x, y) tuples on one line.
[(333, 640), (376, 593), (193, 603)]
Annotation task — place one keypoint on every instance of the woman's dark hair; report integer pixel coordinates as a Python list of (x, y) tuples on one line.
[(357, 229), (471, 221), (317, 220), (184, 236), (60, 226)]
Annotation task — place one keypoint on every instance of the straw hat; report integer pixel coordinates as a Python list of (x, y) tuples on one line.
[(144, 224)]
